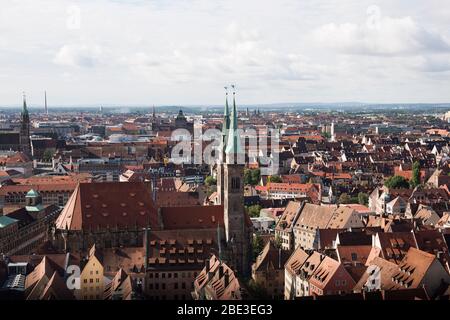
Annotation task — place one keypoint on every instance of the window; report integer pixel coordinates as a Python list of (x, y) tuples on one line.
[(175, 285), (91, 280), (235, 183), (354, 256), (183, 285), (163, 286)]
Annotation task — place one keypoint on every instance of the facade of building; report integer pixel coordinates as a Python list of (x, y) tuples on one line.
[(268, 270), (23, 230)]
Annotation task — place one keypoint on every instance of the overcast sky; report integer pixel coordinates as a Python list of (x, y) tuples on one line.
[(185, 51)]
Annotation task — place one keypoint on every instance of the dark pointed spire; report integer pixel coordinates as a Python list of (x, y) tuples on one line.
[(24, 103), (233, 141), (226, 120)]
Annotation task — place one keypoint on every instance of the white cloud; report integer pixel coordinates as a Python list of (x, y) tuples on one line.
[(184, 51), (79, 55), (386, 36)]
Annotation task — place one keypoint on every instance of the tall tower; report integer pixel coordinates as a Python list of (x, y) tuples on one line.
[(237, 231), (220, 165), (25, 144), (333, 132), (46, 108)]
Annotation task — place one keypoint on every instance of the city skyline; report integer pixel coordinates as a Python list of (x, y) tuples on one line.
[(152, 52)]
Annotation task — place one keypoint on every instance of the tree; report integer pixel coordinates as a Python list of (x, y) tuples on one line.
[(252, 176), (397, 182), (257, 291), (256, 176), (257, 246), (247, 176), (210, 181), (344, 198), (415, 180), (363, 198), (253, 211), (48, 155), (274, 179), (278, 241)]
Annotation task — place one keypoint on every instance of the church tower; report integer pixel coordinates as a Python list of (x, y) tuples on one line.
[(220, 165), (237, 231), (25, 144)]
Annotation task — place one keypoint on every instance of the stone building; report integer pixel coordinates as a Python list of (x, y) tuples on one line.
[(23, 230)]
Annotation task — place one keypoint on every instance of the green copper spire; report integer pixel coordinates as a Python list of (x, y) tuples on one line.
[(226, 120), (24, 109), (233, 140)]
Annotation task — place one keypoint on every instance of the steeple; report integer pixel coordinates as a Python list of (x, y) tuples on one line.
[(226, 120), (233, 146), (237, 232), (24, 108), (25, 143)]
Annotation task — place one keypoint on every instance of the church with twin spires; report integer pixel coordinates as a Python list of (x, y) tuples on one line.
[(230, 190)]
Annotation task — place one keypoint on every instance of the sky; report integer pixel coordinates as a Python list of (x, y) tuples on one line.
[(175, 52)]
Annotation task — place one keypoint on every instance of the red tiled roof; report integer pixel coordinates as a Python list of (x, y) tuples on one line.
[(99, 205), (194, 217)]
